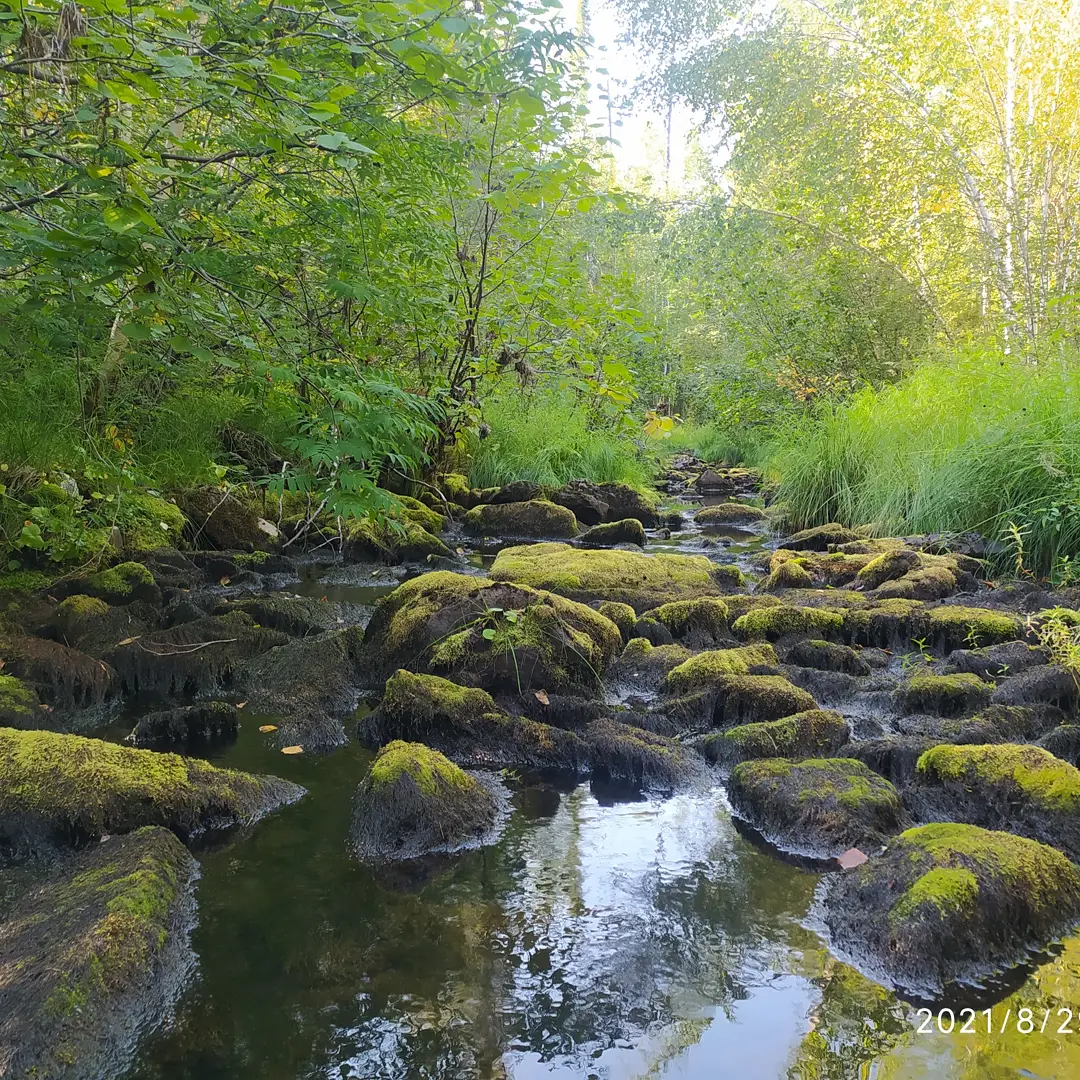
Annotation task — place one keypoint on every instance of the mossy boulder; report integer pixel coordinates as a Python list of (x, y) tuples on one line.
[(120, 584), (95, 957), (297, 616), (414, 801), (729, 514), (643, 666), (827, 656), (465, 724), (743, 603), (785, 621), (491, 634), (413, 510), (706, 669), (223, 521), (790, 574), (456, 487), (946, 904), (622, 615), (1023, 789), (614, 502), (820, 538), (1050, 684), (191, 657), (695, 622), (631, 577), (821, 568), (619, 753), (148, 522), (611, 533), (819, 807), (886, 623), (587, 507), (886, 567), (63, 677), (77, 616), (747, 699), (19, 705), (996, 661), (945, 695), (952, 626), (535, 518), (404, 541), (189, 725), (64, 790), (812, 734)]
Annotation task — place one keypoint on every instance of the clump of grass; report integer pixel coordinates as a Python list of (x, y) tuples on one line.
[(709, 443), (977, 442), (551, 440)]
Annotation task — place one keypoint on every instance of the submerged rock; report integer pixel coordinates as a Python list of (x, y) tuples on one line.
[(817, 807), (188, 724), (415, 802), (950, 903), (631, 577), (1024, 789), (491, 634), (63, 790), (812, 734), (627, 531), (95, 957), (538, 518)]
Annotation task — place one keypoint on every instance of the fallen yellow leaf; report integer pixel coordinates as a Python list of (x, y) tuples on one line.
[(267, 728), (541, 696), (241, 704), (225, 581), (292, 749)]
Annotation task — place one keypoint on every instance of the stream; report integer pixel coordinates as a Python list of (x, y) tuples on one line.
[(604, 936)]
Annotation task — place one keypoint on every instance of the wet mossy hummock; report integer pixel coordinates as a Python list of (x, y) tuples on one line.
[(632, 577), (630, 755), (949, 903), (64, 790), (622, 615), (790, 574), (19, 705), (887, 623), (704, 620), (610, 533), (1023, 789), (945, 695), (537, 517), (644, 665), (827, 656), (818, 807), (401, 541), (747, 699), (774, 623), (705, 669), (821, 537), (414, 801), (63, 677), (815, 733), (953, 626), (120, 584), (729, 514), (95, 957), (188, 724)]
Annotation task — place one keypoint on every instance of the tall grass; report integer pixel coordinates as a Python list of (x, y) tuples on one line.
[(709, 442), (981, 442), (548, 440)]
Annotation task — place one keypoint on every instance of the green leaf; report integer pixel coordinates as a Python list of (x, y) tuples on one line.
[(121, 219), (489, 634)]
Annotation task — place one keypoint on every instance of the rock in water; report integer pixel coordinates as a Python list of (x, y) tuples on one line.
[(819, 807), (627, 531), (416, 802), (63, 790), (950, 903), (537, 517), (814, 733), (187, 724), (95, 957), (729, 514)]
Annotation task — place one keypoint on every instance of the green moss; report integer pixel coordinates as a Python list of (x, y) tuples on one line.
[(703, 669), (754, 698), (413, 510), (81, 606), (740, 605), (893, 564), (821, 537), (776, 622), (455, 486), (632, 577), (24, 582), (118, 583), (944, 694), (788, 575), (729, 514), (148, 522), (708, 615), (250, 558), (1046, 781), (393, 540), (833, 568), (886, 622), (537, 517), (622, 615), (954, 626), (800, 735), (429, 770), (17, 700), (949, 890), (431, 697)]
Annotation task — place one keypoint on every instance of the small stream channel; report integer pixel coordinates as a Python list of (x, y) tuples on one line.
[(604, 936)]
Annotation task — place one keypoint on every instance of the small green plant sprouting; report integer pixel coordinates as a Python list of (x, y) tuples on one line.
[(972, 638), (1059, 635), (1017, 535)]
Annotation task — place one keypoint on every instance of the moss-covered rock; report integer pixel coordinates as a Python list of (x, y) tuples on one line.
[(812, 734), (538, 518), (121, 584), (729, 514), (1024, 789), (222, 521), (585, 502), (64, 790), (995, 724), (622, 754), (790, 574), (297, 616), (950, 903), (945, 695), (821, 568), (465, 724), (748, 699), (610, 533), (695, 622), (415, 511), (707, 669), (615, 502), (887, 623), (192, 657), (643, 581), (622, 615), (827, 656), (148, 522), (455, 486), (392, 541), (491, 634), (1051, 684), (952, 626), (784, 621), (189, 725), (820, 538), (893, 756), (819, 807), (414, 801), (743, 603), (642, 666), (63, 677), (19, 705), (95, 957), (888, 566)]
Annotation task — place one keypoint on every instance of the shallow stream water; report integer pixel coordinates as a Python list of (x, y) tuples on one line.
[(602, 937)]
